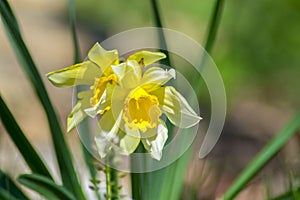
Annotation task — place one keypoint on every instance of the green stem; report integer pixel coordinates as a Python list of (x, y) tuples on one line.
[(112, 184), (262, 158), (108, 182)]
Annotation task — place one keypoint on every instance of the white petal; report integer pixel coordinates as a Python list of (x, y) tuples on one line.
[(107, 137), (178, 110), (119, 70), (103, 145), (156, 144), (99, 107), (156, 77)]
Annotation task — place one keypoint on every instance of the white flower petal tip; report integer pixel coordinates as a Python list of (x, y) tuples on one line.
[(156, 155), (103, 146), (172, 73), (156, 144), (178, 110)]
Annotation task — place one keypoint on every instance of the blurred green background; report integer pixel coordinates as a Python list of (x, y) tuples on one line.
[(257, 51)]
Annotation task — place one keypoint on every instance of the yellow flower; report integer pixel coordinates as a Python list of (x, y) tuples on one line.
[(137, 104), (129, 99)]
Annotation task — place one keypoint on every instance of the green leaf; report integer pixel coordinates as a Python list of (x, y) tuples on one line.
[(214, 25), (68, 174), (45, 187), (262, 158), (29, 154), (158, 23), (9, 190)]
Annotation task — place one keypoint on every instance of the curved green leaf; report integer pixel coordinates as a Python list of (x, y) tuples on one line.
[(63, 155), (45, 187), (29, 154), (9, 190)]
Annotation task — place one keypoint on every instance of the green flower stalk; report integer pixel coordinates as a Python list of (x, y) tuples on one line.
[(129, 98)]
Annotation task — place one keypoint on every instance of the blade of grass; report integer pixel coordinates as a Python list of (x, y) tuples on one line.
[(29, 154), (262, 158), (158, 23), (214, 25), (45, 187), (9, 190), (68, 174)]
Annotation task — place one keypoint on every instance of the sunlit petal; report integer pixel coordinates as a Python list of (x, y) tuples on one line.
[(145, 58), (129, 140), (156, 143), (178, 110), (77, 114), (82, 73), (155, 77), (102, 57)]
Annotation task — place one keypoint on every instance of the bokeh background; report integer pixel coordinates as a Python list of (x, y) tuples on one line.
[(257, 51)]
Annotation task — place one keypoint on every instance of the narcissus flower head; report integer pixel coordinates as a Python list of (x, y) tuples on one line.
[(129, 99)]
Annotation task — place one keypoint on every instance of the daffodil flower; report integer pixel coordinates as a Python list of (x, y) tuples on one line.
[(129, 98), (137, 104)]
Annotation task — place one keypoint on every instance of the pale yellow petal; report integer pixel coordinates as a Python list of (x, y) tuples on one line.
[(177, 109), (145, 58), (129, 140), (120, 71), (132, 75), (102, 57), (77, 114), (109, 123), (78, 74), (156, 77), (154, 145)]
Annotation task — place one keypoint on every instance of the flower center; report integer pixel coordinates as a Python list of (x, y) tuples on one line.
[(100, 86), (141, 110)]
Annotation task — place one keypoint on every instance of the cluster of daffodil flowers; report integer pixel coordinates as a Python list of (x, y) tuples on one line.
[(128, 99)]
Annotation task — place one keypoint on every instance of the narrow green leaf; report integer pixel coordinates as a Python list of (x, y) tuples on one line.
[(158, 23), (72, 18), (45, 187), (9, 190), (262, 158), (214, 25), (68, 174), (5, 195), (29, 154)]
